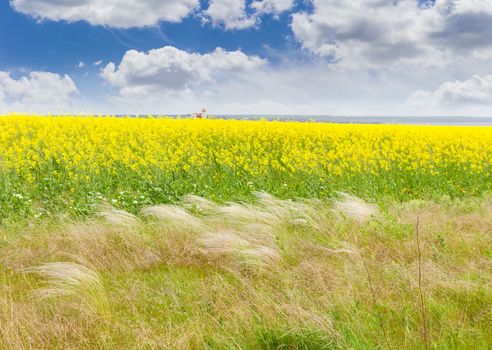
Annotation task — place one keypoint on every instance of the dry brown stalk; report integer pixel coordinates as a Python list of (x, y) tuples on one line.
[(374, 299), (421, 290)]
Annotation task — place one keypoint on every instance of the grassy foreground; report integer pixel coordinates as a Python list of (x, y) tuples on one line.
[(311, 274)]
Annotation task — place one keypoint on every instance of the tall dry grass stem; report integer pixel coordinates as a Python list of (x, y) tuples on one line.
[(421, 288), (374, 298)]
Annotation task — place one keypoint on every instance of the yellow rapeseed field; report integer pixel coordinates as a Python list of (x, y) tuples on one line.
[(87, 145), (137, 161)]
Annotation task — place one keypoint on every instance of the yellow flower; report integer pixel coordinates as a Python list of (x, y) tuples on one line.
[(80, 148)]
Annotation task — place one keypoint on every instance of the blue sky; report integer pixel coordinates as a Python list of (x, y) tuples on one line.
[(58, 45), (363, 57)]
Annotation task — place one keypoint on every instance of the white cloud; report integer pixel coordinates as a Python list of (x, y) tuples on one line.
[(169, 70), (471, 92), (381, 34), (98, 63), (229, 13), (113, 13), (235, 14), (81, 65), (3, 107), (38, 92), (272, 6), (187, 82)]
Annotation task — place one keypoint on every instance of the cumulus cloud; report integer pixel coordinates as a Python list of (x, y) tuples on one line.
[(169, 70), (113, 13), (37, 92), (229, 13), (464, 25), (272, 6), (295, 88), (235, 14), (375, 33), (474, 91)]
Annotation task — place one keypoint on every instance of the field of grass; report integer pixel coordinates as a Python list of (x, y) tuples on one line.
[(154, 233)]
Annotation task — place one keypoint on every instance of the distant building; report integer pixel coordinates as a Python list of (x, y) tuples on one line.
[(200, 115)]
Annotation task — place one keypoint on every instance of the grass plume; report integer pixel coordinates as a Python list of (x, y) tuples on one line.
[(64, 279), (261, 275)]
